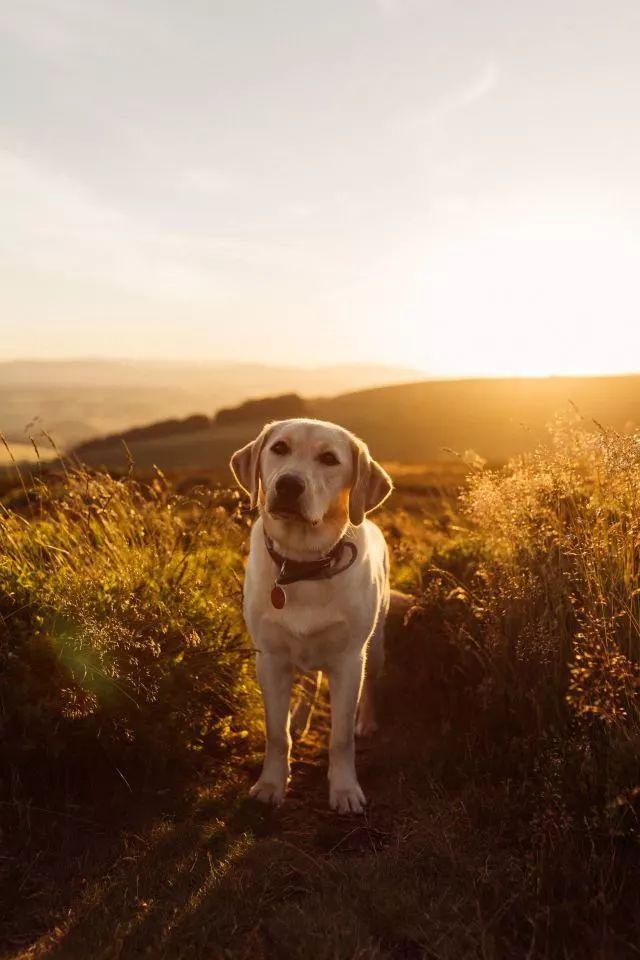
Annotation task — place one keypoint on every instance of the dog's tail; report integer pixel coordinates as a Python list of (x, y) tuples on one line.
[(400, 603)]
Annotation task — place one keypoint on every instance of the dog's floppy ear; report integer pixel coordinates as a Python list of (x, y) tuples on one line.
[(371, 484), (245, 464)]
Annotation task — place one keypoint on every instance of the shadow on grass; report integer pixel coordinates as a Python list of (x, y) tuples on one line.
[(465, 852), (243, 888), (231, 878)]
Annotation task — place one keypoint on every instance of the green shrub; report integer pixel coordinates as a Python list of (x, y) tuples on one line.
[(121, 641)]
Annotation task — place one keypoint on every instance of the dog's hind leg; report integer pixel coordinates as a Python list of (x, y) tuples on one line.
[(301, 716), (366, 719), (366, 723)]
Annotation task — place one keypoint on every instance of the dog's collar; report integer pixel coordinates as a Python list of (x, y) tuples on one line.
[(328, 566)]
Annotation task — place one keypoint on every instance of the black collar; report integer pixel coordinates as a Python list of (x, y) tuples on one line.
[(328, 566)]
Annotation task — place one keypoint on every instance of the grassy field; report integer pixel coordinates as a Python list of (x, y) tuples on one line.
[(504, 782)]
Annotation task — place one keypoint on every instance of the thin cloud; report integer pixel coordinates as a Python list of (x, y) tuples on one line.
[(53, 223), (207, 181), (476, 89), (390, 7), (479, 87)]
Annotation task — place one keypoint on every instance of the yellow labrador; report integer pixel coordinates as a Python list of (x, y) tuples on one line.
[(316, 589)]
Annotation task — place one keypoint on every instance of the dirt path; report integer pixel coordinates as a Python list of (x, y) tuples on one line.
[(446, 864), (229, 878), (306, 818), (443, 865)]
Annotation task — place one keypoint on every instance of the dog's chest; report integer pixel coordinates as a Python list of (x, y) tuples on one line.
[(310, 642), (318, 650)]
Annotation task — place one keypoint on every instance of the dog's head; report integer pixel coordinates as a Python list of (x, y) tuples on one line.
[(310, 480)]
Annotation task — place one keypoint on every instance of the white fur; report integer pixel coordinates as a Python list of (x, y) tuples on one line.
[(335, 625)]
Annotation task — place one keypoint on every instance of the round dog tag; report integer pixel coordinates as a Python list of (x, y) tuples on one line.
[(278, 597)]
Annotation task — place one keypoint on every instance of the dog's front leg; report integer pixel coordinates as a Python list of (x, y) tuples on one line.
[(345, 680), (275, 676)]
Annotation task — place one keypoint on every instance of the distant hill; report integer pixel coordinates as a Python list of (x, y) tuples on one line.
[(77, 400), (496, 418), (270, 408), (413, 422), (162, 430)]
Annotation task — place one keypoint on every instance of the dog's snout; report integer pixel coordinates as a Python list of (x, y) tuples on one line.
[(289, 487)]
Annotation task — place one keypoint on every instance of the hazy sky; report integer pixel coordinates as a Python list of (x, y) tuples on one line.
[(454, 185)]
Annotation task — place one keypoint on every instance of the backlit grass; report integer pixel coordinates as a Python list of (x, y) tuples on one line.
[(503, 782)]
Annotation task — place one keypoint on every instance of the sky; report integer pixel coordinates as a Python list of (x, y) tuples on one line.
[(451, 186)]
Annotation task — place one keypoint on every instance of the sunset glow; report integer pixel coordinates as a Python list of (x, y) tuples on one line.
[(452, 189)]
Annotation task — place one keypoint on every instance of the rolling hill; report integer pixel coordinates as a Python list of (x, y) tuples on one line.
[(79, 399), (408, 423)]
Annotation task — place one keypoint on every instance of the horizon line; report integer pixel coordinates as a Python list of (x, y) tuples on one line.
[(421, 374)]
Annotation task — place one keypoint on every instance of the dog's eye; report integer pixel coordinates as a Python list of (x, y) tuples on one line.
[(280, 448), (328, 458)]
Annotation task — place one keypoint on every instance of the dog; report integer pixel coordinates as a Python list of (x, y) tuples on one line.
[(316, 590)]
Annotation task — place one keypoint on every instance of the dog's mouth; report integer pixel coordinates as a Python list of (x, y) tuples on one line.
[(286, 511), (290, 513)]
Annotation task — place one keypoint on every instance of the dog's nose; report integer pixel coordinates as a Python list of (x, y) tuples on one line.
[(289, 487)]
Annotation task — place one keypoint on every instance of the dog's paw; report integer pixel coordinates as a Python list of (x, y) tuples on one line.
[(347, 799), (268, 792)]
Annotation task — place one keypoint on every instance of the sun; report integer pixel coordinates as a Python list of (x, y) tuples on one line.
[(534, 298)]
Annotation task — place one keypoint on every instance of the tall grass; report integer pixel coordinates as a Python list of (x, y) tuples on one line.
[(526, 636), (121, 643), (558, 536)]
